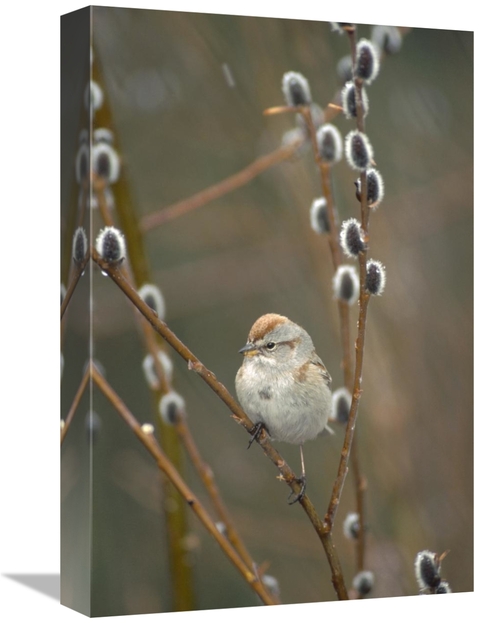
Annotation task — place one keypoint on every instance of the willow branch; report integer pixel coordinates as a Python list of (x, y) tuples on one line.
[(359, 350), (261, 164), (167, 467), (343, 309)]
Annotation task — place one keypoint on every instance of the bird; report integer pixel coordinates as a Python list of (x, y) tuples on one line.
[(283, 386)]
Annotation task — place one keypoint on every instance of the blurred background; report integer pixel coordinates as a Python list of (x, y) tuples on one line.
[(187, 92)]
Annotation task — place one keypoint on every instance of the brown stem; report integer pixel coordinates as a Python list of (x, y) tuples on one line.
[(334, 244), (76, 273), (74, 404), (345, 331), (241, 178), (208, 480), (149, 441), (359, 480), (360, 485), (356, 396), (99, 188), (203, 469), (324, 169)]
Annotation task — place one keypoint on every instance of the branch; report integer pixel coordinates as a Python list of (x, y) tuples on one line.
[(74, 404), (208, 480), (75, 278), (364, 298), (150, 221), (351, 422), (150, 443), (333, 241)]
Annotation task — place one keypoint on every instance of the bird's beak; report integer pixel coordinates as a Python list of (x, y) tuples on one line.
[(249, 350)]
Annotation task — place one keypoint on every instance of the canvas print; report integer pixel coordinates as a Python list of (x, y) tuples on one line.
[(266, 311)]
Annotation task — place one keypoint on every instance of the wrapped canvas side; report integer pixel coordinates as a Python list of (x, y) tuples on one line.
[(77, 439)]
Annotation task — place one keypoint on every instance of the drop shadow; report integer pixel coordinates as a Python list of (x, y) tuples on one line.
[(46, 583)]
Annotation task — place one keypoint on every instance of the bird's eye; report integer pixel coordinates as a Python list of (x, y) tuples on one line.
[(271, 345)]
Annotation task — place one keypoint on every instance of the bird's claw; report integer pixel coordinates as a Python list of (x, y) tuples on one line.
[(255, 432), (298, 496)]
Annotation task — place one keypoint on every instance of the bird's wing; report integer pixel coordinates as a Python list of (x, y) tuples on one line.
[(323, 371)]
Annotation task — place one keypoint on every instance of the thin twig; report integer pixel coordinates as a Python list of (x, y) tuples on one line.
[(278, 110), (76, 273), (360, 486), (203, 469), (237, 180), (334, 244), (74, 404), (324, 170), (207, 477), (149, 441), (351, 422), (99, 187)]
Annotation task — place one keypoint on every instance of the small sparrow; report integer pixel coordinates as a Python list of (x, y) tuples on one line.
[(283, 385)]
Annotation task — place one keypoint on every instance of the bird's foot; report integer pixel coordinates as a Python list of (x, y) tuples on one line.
[(256, 430), (298, 496)]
